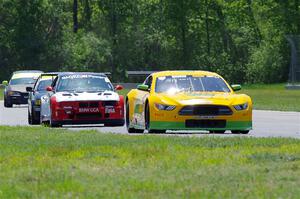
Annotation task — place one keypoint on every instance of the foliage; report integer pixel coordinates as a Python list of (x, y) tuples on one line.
[(46, 163), (243, 40)]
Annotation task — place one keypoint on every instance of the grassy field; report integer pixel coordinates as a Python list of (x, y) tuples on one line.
[(1, 93), (46, 163), (273, 97)]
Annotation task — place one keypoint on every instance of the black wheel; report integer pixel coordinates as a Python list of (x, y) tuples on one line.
[(156, 131), (34, 120), (217, 131), (53, 124), (7, 103), (127, 122), (239, 132), (147, 122)]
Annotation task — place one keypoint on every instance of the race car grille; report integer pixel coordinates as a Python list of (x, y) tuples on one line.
[(88, 104), (88, 116), (205, 123), (206, 110)]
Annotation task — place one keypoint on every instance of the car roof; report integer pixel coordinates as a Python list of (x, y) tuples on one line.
[(184, 72)]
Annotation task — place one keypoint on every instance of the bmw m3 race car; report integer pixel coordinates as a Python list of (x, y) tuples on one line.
[(82, 98), (15, 90), (35, 94), (187, 100)]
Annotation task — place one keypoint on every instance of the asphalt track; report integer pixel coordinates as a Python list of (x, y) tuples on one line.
[(265, 123)]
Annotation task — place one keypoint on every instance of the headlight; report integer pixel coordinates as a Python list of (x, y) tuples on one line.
[(165, 107), (241, 107), (14, 93)]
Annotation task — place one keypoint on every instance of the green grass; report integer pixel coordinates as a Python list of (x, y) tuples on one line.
[(273, 97), (46, 163)]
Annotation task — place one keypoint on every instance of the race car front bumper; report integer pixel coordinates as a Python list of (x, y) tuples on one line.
[(173, 120)]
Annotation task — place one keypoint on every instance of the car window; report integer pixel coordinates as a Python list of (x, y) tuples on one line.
[(18, 81), (82, 83), (190, 83), (43, 84)]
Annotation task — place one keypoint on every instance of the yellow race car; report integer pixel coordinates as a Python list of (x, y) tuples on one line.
[(187, 100)]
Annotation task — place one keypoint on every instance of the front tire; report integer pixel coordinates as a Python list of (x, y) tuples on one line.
[(127, 121), (147, 122), (7, 103)]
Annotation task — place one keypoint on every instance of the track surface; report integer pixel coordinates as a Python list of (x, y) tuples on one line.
[(265, 123)]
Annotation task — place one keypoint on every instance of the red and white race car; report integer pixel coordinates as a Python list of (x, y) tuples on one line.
[(82, 98)]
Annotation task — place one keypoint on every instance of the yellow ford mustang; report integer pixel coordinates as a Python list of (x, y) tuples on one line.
[(187, 100)]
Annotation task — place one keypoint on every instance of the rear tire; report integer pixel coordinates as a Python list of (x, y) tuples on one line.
[(127, 121), (240, 132)]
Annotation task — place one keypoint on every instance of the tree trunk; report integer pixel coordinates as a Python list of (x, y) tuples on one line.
[(254, 24), (87, 14), (75, 16)]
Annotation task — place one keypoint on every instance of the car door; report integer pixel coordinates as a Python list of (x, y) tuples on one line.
[(139, 103)]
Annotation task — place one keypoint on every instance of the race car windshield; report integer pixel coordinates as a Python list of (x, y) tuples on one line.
[(43, 84), (26, 80), (84, 83), (170, 84)]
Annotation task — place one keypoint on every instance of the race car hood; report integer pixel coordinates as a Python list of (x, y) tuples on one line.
[(86, 96), (19, 88), (193, 98)]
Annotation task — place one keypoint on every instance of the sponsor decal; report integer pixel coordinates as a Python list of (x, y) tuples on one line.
[(25, 75), (88, 110), (206, 117), (82, 76)]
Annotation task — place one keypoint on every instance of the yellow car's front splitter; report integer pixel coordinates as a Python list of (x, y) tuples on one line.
[(163, 120), (201, 124)]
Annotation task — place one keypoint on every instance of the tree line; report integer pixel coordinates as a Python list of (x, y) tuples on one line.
[(243, 40)]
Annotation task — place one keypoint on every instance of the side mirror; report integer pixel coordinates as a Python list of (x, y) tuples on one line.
[(236, 87), (29, 89), (118, 87), (49, 88), (143, 87), (5, 83)]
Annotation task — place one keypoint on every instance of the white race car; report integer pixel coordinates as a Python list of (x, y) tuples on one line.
[(82, 98)]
